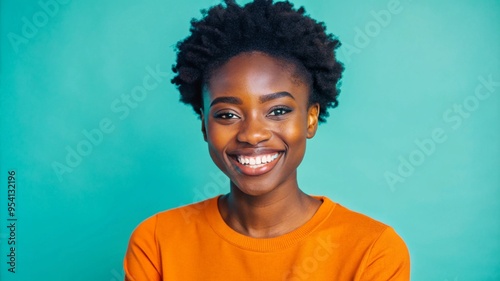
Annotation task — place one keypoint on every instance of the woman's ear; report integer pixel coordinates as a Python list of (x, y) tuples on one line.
[(312, 120), (203, 128)]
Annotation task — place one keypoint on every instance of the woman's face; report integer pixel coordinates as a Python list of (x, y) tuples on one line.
[(256, 119)]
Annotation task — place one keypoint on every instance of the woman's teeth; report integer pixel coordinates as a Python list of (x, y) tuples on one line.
[(257, 160)]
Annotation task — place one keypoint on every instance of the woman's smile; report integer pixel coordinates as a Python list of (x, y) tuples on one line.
[(255, 164)]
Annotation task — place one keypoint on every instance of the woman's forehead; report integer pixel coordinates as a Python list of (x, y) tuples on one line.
[(255, 72)]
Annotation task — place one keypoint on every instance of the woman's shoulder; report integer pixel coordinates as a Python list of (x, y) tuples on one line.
[(381, 252), (353, 224)]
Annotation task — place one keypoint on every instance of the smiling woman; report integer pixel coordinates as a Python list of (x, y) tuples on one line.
[(262, 77)]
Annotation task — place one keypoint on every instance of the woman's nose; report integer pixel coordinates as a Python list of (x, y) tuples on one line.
[(253, 131)]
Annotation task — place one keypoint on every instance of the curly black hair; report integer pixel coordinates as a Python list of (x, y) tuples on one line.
[(273, 28)]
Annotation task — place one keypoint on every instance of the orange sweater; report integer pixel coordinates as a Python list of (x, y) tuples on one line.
[(193, 243)]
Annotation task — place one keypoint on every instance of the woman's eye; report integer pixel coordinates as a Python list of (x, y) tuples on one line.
[(279, 111), (226, 115)]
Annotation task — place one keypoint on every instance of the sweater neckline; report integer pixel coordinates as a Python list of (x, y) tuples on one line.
[(237, 239)]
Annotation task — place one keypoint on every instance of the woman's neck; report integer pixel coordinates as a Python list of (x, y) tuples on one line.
[(268, 215)]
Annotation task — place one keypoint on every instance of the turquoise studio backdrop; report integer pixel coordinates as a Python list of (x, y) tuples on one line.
[(93, 149)]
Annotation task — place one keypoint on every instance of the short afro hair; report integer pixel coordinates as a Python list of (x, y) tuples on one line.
[(261, 25)]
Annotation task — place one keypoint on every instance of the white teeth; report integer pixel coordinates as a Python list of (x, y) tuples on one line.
[(258, 160)]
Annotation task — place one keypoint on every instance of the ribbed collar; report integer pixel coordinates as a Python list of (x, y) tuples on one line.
[(218, 224)]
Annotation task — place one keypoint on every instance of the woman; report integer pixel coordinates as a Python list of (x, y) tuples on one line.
[(261, 77)]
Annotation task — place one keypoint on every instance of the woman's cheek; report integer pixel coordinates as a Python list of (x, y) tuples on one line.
[(294, 132), (220, 135)]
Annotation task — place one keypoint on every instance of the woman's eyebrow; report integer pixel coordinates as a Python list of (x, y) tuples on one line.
[(231, 100), (268, 97), (262, 99)]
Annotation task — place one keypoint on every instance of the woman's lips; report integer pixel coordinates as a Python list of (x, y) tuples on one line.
[(255, 165)]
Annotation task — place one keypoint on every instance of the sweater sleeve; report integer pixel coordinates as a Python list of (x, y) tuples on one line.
[(142, 262), (388, 260)]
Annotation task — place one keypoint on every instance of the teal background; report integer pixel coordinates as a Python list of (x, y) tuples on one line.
[(399, 86)]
